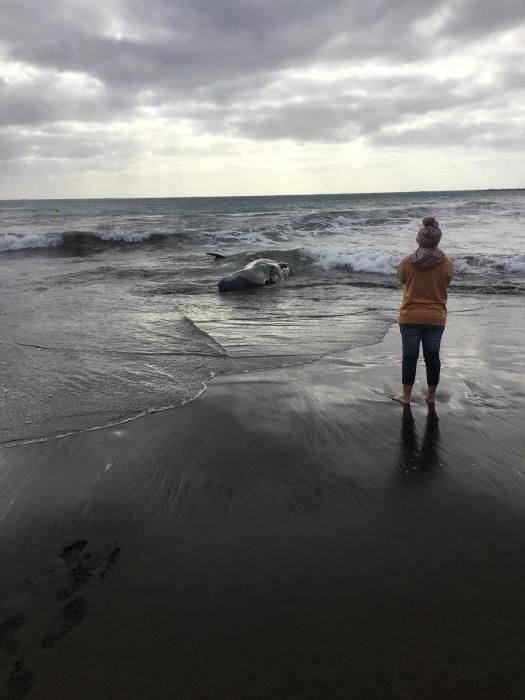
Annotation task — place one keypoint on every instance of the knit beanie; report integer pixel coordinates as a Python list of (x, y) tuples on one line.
[(429, 233)]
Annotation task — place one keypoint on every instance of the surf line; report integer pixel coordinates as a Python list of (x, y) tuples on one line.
[(8, 444), (126, 353)]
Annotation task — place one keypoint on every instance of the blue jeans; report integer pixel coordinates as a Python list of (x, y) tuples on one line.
[(412, 334)]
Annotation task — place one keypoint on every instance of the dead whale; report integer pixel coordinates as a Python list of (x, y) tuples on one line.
[(257, 273)]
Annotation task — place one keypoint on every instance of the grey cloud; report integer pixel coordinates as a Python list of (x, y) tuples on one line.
[(185, 46), (46, 99), (91, 145), (10, 146), (176, 49), (368, 108), (486, 135), (64, 145), (474, 18), (225, 66), (303, 121), (513, 78)]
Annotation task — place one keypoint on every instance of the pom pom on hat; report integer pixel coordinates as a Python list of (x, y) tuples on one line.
[(429, 233)]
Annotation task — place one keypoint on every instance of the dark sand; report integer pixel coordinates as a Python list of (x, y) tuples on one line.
[(291, 534)]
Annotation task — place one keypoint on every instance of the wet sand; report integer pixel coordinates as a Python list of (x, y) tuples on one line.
[(291, 534)]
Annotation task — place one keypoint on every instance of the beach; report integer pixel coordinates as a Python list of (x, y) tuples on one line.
[(291, 533), (226, 230)]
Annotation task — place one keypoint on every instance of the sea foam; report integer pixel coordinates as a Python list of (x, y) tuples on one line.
[(358, 261), (33, 240), (11, 242)]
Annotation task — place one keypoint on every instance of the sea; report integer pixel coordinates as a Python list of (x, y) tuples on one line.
[(110, 308)]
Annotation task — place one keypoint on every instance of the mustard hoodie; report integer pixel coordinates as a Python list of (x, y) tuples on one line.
[(425, 293)]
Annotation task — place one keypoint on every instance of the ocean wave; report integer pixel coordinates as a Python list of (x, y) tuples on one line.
[(490, 264), (72, 239), (343, 220), (516, 266), (10, 241), (382, 262), (358, 261), (107, 235), (326, 254), (474, 208), (322, 220)]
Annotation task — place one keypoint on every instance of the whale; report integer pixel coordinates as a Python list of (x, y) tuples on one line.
[(257, 273)]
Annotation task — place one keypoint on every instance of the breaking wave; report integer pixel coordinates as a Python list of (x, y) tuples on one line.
[(327, 257), (104, 236), (10, 241), (383, 262), (357, 261)]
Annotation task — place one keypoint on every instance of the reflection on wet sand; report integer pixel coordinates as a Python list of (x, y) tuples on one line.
[(412, 457)]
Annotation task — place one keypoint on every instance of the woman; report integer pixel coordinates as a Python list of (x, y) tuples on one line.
[(425, 275)]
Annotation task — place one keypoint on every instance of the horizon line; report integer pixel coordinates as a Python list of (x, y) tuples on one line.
[(247, 196)]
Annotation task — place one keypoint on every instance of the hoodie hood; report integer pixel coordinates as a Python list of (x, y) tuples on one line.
[(426, 258)]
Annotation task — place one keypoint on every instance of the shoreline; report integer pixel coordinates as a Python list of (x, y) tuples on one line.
[(459, 301)]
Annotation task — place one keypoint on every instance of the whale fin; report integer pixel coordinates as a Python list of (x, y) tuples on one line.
[(217, 256)]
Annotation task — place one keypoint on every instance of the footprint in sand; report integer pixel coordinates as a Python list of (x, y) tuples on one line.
[(84, 565), (19, 682), (8, 629), (71, 616)]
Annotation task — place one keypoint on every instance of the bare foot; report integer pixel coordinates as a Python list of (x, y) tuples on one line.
[(430, 399), (401, 399)]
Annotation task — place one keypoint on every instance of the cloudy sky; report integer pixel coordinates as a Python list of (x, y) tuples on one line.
[(212, 97)]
